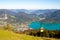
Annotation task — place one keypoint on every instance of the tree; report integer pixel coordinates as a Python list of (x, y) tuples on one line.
[(7, 27)]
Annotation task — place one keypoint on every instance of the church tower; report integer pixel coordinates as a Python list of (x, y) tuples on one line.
[(5, 16)]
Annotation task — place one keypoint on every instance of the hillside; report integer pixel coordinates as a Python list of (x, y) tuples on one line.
[(52, 17), (9, 35)]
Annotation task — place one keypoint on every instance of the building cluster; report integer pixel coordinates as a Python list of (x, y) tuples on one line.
[(2, 20), (22, 27)]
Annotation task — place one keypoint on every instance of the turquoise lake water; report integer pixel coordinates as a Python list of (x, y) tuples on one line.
[(48, 26)]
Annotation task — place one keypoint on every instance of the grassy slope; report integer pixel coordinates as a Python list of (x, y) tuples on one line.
[(9, 35)]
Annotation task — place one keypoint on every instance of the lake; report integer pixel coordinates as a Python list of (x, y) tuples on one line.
[(48, 26)]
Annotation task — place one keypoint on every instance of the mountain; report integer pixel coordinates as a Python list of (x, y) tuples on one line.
[(39, 11), (18, 17), (51, 16), (24, 15), (55, 16)]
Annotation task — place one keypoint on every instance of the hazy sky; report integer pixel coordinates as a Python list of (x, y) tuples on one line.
[(29, 4)]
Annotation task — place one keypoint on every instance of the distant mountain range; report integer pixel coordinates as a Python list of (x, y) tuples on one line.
[(23, 15)]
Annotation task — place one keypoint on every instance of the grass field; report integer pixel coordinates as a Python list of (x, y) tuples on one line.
[(9, 35)]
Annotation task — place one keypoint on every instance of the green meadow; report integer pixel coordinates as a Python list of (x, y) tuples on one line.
[(9, 35)]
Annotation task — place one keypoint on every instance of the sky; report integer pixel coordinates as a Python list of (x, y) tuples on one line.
[(29, 4)]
